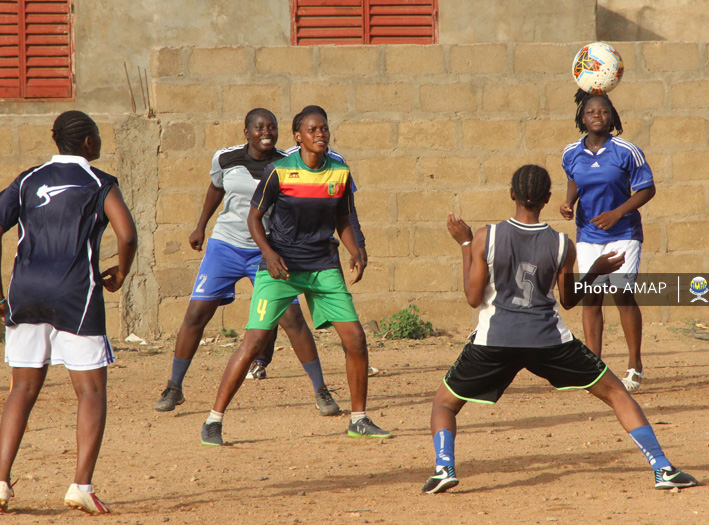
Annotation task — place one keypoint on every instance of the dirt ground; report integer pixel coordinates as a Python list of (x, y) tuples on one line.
[(538, 456)]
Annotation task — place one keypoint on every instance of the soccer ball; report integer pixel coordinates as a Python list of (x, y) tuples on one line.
[(598, 68)]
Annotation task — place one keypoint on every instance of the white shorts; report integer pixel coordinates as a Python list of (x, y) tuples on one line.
[(36, 345), (587, 253)]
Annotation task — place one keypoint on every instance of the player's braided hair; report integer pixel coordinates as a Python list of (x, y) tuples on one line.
[(582, 98), (531, 185), (306, 111), (70, 129), (251, 115)]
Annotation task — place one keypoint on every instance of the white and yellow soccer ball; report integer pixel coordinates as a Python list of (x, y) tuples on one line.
[(598, 68)]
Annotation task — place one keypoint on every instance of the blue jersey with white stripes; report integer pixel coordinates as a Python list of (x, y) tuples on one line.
[(605, 180), (58, 208)]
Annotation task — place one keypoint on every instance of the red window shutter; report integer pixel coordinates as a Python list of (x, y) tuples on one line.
[(364, 22), (317, 22), (403, 21), (38, 64), (48, 54), (10, 49)]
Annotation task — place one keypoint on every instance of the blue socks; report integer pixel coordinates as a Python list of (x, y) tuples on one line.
[(444, 445), (314, 371), (179, 369), (646, 441)]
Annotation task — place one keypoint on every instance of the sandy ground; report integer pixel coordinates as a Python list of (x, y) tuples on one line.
[(538, 456)]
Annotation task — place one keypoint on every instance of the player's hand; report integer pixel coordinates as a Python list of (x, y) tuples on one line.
[(276, 266), (356, 264), (567, 211), (363, 255), (112, 279), (2, 312), (459, 230), (606, 220), (197, 239), (608, 263)]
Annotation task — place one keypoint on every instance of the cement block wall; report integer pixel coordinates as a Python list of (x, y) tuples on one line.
[(109, 33), (428, 130), (129, 151)]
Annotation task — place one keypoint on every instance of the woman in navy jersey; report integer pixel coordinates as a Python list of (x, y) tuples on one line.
[(232, 255), (262, 360), (54, 310), (509, 271), (610, 179)]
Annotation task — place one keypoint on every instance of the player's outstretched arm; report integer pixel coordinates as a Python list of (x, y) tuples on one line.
[(569, 293), (475, 272), (346, 234), (212, 201), (126, 236), (478, 273)]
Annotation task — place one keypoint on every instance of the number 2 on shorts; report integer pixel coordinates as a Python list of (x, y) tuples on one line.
[(261, 308), (202, 279)]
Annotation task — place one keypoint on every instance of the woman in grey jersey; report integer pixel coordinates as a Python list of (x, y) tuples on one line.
[(509, 271), (232, 254)]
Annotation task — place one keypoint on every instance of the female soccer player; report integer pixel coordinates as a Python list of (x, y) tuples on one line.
[(232, 255), (258, 367), (311, 197), (509, 270), (611, 180), (54, 310)]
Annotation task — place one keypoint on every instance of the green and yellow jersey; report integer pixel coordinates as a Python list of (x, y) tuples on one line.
[(306, 203)]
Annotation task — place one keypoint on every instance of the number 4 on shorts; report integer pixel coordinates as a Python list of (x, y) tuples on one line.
[(261, 308)]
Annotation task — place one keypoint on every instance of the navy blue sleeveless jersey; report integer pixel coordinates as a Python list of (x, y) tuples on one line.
[(58, 208), (519, 307)]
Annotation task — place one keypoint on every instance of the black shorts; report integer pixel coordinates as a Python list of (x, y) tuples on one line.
[(483, 373)]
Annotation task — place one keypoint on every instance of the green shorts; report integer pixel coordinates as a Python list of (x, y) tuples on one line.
[(325, 291)]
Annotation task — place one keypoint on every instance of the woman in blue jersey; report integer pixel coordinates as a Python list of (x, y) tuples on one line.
[(232, 255), (611, 180), (54, 309), (509, 271), (311, 195)]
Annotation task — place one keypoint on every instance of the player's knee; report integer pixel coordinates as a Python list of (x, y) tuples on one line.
[(254, 343), (26, 389), (356, 343), (196, 317), (293, 324)]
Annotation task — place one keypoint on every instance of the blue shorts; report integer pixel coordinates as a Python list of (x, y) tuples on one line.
[(223, 265)]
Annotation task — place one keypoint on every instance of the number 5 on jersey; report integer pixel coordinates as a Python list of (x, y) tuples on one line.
[(261, 308), (524, 271)]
